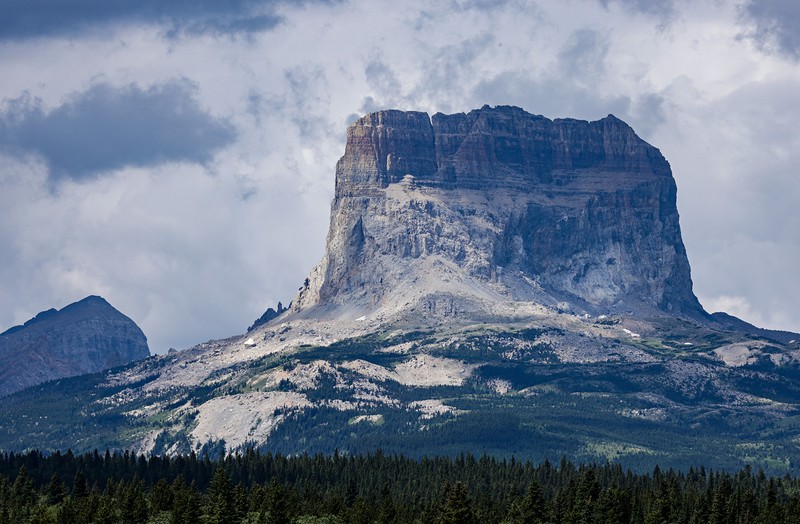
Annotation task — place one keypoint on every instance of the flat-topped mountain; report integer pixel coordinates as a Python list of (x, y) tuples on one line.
[(463, 215), (84, 337), (494, 282)]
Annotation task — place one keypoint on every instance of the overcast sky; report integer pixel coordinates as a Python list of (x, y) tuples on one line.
[(177, 156)]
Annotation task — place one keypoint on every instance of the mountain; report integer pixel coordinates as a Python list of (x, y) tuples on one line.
[(85, 337), (493, 282), (458, 214)]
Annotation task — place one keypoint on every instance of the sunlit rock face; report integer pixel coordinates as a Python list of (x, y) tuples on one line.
[(456, 215), (85, 337)]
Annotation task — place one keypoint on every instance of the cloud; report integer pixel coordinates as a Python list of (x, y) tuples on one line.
[(568, 88), (737, 306), (584, 56), (380, 76), (721, 109), (661, 8), (106, 128), (56, 18), (548, 96), (745, 198), (776, 24)]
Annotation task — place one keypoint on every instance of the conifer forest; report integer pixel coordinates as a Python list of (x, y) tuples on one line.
[(257, 487)]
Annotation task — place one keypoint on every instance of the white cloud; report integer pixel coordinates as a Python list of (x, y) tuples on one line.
[(193, 252)]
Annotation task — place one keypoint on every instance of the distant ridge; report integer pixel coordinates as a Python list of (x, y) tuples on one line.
[(84, 337), (737, 324)]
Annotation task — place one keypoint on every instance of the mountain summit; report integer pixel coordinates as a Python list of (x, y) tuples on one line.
[(467, 215)]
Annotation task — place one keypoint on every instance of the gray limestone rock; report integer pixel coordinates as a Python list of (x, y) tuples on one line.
[(455, 214), (85, 337)]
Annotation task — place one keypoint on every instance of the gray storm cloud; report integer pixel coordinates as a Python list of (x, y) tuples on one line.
[(777, 23), (44, 18), (106, 128)]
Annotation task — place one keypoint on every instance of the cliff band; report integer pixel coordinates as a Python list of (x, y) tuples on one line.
[(468, 215)]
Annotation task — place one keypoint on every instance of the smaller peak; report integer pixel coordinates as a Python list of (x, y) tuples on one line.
[(611, 119), (393, 118), (505, 111), (94, 298), (91, 300), (91, 305), (501, 109), (510, 109), (616, 125)]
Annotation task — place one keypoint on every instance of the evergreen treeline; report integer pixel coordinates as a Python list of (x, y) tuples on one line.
[(376, 488)]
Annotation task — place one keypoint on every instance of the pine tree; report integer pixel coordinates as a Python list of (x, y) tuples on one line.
[(68, 512), (659, 511), (185, 503), (160, 497), (387, 514), (530, 509), (21, 497), (359, 512), (106, 512), (612, 507), (719, 502), (457, 507), (239, 506), (218, 507), (134, 504), (39, 515), (56, 491), (22, 490), (276, 505), (79, 487), (586, 495)]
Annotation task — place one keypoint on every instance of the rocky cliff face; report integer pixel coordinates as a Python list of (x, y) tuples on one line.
[(470, 215), (85, 337)]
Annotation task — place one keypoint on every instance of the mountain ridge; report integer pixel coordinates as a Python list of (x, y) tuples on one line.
[(441, 313), (87, 336)]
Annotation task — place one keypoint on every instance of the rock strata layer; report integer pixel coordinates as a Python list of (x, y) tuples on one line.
[(456, 215), (85, 337)]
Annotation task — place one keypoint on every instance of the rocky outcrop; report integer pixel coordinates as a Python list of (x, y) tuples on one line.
[(269, 315), (85, 337), (456, 215)]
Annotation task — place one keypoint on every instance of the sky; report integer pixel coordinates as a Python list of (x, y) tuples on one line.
[(177, 157)]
